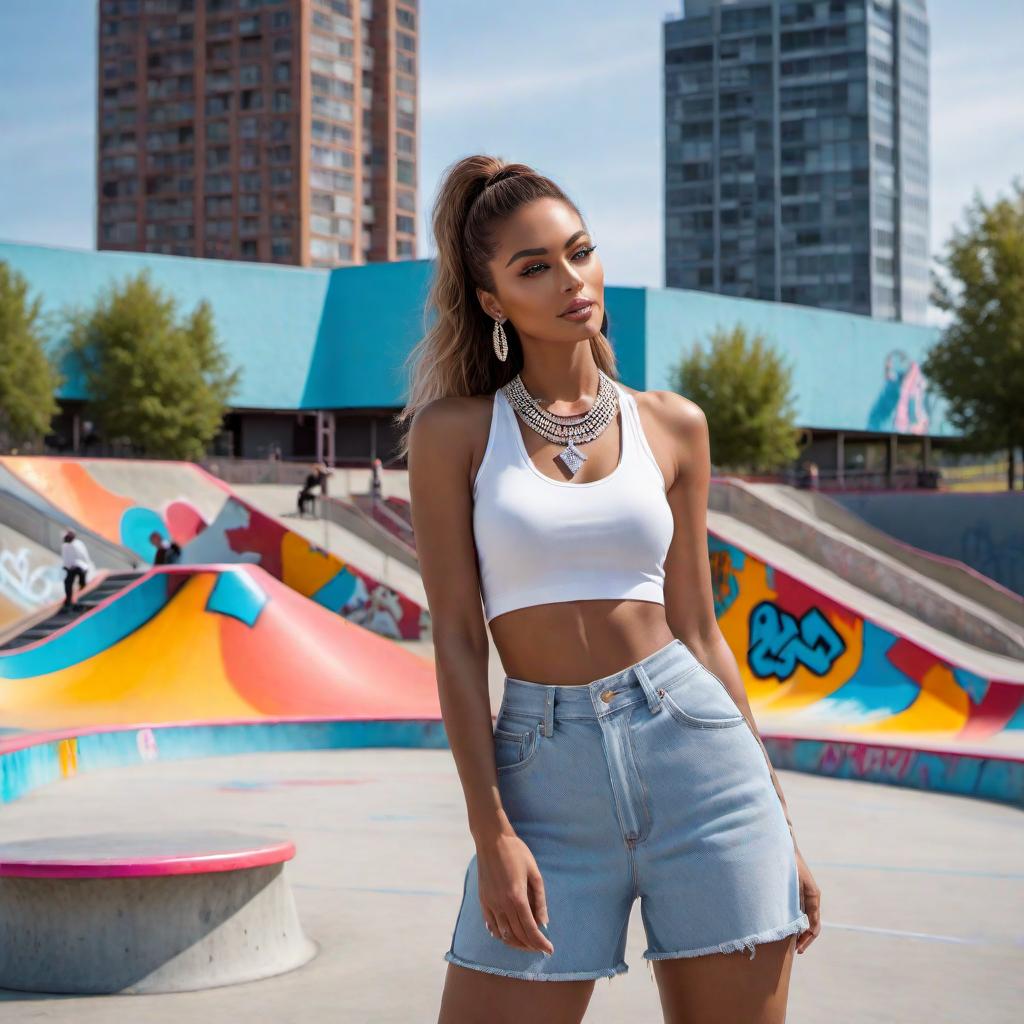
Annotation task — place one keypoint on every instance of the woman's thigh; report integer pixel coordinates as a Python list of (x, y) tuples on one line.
[(723, 988), (475, 997)]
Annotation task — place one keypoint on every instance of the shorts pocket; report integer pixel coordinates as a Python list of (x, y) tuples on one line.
[(515, 749), (700, 700)]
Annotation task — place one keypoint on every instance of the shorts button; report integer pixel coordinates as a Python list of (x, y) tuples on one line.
[(607, 695)]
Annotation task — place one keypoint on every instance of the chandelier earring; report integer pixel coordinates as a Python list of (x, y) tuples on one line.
[(500, 341)]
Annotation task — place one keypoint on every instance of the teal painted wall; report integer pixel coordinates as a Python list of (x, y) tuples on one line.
[(319, 339), (371, 317), (626, 324), (266, 316), (849, 372)]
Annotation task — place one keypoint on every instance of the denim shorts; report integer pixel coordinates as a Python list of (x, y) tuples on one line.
[(647, 783)]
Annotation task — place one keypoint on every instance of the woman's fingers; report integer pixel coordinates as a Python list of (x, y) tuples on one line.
[(508, 933), (529, 930), (812, 908), (517, 928)]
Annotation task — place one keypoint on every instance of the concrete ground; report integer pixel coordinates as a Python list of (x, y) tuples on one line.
[(922, 894)]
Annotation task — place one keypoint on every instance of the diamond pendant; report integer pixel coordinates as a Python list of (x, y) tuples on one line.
[(572, 458)]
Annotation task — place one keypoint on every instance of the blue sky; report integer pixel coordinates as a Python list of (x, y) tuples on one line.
[(571, 88)]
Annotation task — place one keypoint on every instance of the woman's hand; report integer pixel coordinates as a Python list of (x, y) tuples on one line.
[(512, 893), (810, 903)]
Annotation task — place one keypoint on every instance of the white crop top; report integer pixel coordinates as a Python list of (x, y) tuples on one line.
[(541, 540)]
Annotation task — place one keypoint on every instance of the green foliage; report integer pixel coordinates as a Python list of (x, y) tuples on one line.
[(160, 383), (978, 364), (28, 379), (743, 387)]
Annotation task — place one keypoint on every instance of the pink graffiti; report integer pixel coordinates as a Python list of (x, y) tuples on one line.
[(145, 740), (912, 388), (867, 759)]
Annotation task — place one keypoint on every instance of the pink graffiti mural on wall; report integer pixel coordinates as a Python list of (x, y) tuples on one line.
[(910, 415)]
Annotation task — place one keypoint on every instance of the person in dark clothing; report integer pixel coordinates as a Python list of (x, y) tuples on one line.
[(376, 484), (166, 551), (306, 494), (317, 478)]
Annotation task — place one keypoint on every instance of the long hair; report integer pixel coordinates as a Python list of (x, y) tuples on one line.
[(456, 355)]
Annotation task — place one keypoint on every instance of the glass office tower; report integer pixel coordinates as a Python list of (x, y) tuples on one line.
[(796, 152)]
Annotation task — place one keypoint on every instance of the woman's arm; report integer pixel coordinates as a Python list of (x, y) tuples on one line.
[(511, 889), (440, 453), (689, 599)]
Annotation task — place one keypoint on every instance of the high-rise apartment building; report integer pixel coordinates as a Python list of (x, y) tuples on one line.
[(273, 130), (796, 152)]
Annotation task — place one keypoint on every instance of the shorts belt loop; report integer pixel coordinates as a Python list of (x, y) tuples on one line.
[(549, 710), (653, 700)]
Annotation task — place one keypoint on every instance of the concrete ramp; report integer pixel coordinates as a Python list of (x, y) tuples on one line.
[(939, 592), (208, 645), (124, 501), (822, 656)]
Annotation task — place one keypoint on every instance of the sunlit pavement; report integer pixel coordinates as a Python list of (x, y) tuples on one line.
[(922, 893)]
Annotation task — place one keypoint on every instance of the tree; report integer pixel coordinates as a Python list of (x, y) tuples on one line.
[(743, 387), (28, 380), (159, 383), (978, 363)]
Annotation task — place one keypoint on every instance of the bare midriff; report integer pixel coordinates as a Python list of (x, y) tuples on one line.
[(571, 643)]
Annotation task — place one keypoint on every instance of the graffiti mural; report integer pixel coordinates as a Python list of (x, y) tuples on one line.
[(807, 657), (128, 501), (904, 403), (780, 641), (209, 644), (30, 577)]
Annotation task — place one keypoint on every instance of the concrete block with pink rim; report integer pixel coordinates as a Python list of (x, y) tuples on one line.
[(146, 912)]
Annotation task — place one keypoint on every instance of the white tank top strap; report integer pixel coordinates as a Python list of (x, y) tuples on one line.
[(641, 445)]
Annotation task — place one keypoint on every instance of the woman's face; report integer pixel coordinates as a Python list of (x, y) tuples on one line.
[(544, 261)]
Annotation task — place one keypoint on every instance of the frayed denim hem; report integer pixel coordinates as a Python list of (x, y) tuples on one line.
[(539, 976), (795, 926)]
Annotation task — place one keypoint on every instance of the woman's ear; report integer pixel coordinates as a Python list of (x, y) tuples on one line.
[(488, 304)]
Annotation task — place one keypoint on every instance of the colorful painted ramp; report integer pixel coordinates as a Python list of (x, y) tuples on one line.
[(126, 501), (217, 644), (208, 660), (842, 684)]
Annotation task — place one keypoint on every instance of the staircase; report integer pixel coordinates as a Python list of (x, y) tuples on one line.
[(85, 601)]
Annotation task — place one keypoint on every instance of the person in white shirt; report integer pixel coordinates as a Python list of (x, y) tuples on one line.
[(75, 557)]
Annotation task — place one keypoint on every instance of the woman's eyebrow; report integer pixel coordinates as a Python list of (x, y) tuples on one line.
[(541, 252)]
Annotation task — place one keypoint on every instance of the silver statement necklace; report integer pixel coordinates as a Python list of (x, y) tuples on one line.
[(567, 430)]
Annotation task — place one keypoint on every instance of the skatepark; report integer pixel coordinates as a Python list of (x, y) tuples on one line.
[(269, 704)]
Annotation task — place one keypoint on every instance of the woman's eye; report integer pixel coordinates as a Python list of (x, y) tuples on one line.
[(528, 272)]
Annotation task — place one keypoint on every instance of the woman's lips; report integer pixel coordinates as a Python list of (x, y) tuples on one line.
[(579, 314)]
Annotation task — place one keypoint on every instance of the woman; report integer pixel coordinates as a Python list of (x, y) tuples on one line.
[(624, 762)]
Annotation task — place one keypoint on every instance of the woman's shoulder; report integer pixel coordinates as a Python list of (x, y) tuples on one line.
[(455, 421), (664, 404)]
